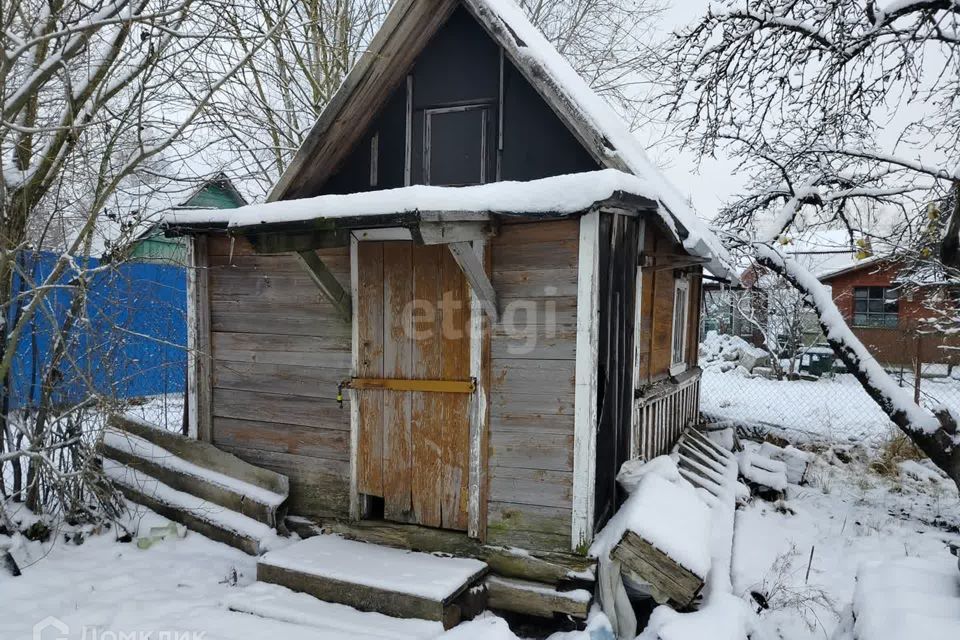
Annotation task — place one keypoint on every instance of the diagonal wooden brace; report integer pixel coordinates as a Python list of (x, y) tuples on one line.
[(476, 275), (328, 284)]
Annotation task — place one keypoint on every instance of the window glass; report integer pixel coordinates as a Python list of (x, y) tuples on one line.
[(875, 307)]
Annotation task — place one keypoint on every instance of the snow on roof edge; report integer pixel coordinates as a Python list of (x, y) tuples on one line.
[(565, 194), (531, 45)]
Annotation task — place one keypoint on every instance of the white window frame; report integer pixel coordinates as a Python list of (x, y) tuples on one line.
[(678, 361)]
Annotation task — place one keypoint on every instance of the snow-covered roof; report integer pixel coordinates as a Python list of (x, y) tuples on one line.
[(603, 133), (537, 58), (554, 196)]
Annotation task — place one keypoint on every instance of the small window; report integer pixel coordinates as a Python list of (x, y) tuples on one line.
[(875, 307), (455, 146), (681, 303)]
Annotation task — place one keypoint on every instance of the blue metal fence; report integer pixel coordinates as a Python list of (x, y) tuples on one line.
[(129, 341)]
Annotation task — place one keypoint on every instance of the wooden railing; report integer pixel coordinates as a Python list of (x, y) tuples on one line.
[(662, 413)]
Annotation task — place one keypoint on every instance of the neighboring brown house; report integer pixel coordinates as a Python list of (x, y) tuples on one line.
[(888, 318)]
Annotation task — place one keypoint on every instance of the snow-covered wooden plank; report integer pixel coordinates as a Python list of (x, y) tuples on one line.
[(371, 577), (669, 580), (279, 603), (203, 454), (209, 519), (237, 495), (536, 599)]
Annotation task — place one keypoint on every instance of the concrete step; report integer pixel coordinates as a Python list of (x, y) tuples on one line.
[(260, 500), (207, 518), (369, 577)]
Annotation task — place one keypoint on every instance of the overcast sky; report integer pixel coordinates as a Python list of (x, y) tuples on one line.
[(707, 181)]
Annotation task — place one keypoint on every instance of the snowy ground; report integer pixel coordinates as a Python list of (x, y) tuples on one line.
[(846, 515), (107, 590), (826, 410)]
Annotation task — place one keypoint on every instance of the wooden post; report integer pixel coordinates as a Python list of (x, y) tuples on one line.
[(199, 372), (585, 382)]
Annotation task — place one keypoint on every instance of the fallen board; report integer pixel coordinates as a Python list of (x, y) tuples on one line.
[(369, 577), (669, 581), (536, 599), (237, 495), (204, 517)]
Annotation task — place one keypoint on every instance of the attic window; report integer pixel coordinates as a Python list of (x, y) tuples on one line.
[(455, 145)]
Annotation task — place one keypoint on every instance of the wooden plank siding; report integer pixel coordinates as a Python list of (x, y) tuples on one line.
[(278, 352), (664, 407), (533, 351)]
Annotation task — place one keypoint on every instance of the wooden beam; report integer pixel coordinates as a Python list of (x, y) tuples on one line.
[(447, 232), (402, 384), (327, 283), (479, 410), (287, 241), (661, 261), (476, 275), (536, 598)]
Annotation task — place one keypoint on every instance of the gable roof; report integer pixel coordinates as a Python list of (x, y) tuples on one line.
[(873, 261), (407, 29)]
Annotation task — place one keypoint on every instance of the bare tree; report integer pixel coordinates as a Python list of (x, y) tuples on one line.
[(781, 316), (839, 111), (93, 98)]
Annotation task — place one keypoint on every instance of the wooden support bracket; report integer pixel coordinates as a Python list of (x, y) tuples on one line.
[(328, 284), (445, 232), (476, 275), (661, 261)]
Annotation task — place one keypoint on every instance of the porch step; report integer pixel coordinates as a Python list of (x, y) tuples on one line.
[(197, 468), (279, 603), (369, 577), (194, 483), (205, 517)]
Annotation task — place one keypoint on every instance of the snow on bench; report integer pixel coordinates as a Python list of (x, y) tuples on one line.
[(907, 598)]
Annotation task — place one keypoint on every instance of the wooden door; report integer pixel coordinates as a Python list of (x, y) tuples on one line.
[(413, 312)]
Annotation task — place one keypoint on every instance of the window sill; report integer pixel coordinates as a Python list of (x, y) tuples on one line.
[(677, 369)]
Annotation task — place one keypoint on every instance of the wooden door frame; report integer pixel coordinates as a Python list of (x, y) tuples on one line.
[(479, 405)]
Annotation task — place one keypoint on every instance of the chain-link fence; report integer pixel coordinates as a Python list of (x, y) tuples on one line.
[(807, 396)]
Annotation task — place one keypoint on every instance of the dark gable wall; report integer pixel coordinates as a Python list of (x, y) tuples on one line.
[(461, 66)]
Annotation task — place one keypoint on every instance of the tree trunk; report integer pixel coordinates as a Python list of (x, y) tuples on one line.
[(942, 444)]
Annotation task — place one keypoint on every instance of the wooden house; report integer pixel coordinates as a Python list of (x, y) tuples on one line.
[(474, 254)]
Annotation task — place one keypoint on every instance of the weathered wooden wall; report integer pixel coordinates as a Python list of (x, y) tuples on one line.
[(278, 351), (656, 323), (534, 269)]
